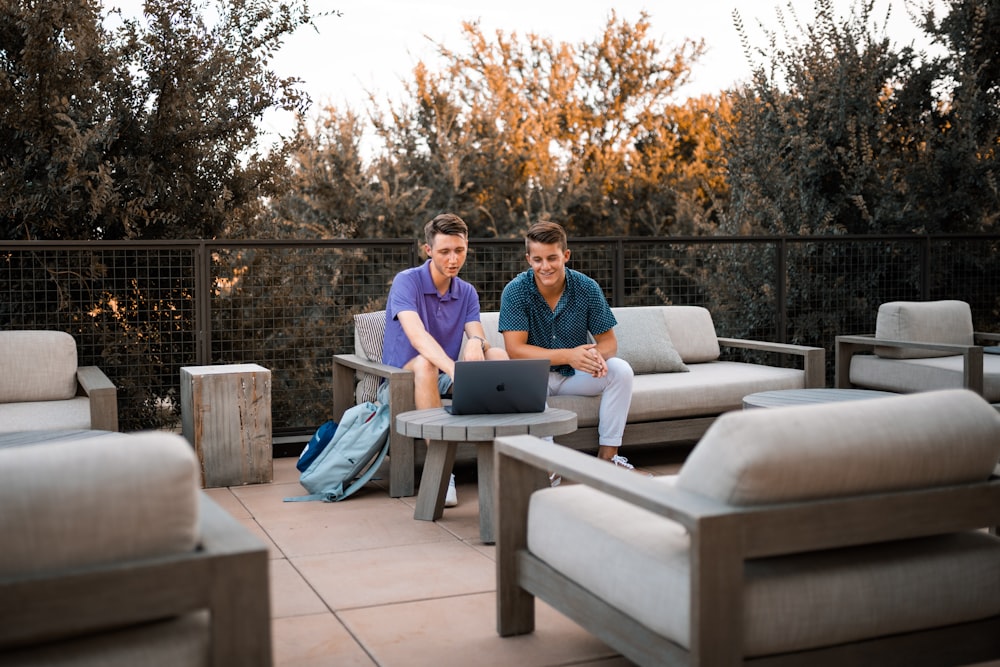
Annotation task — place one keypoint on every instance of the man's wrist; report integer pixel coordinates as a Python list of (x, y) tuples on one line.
[(482, 342)]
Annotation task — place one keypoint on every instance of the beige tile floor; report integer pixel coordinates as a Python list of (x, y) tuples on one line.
[(361, 583)]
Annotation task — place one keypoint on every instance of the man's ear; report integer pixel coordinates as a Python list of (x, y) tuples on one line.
[(427, 249)]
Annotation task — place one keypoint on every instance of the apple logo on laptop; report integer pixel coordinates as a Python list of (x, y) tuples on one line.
[(501, 387)]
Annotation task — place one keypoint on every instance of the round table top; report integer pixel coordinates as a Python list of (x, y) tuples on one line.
[(438, 424), (785, 397)]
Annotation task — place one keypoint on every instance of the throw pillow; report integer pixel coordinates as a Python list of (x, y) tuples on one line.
[(369, 330), (644, 341)]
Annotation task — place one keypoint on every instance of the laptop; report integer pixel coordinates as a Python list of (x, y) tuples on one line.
[(503, 386)]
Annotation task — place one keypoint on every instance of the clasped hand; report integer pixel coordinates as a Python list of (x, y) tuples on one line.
[(589, 360)]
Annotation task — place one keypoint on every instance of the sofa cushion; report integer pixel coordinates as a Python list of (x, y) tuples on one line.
[(46, 415), (906, 376), (37, 366), (692, 333), (644, 341), (925, 321), (755, 457), (103, 499), (369, 331), (790, 603)]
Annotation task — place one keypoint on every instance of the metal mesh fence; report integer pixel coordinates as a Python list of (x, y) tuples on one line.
[(141, 312)]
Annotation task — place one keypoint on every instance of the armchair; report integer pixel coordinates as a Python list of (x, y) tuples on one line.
[(112, 555), (845, 533), (919, 346), (41, 386)]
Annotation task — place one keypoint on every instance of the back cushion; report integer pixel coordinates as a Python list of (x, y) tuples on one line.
[(755, 457), (490, 320), (37, 366), (644, 340), (369, 331), (925, 321), (692, 333)]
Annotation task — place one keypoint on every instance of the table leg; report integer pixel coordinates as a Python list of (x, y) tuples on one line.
[(484, 470), (434, 480)]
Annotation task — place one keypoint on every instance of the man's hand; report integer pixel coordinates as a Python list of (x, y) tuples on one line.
[(473, 351), (588, 359)]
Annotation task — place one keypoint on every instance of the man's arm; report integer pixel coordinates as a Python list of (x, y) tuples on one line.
[(424, 343)]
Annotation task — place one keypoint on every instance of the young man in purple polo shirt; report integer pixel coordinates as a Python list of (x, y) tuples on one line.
[(547, 312), (428, 310)]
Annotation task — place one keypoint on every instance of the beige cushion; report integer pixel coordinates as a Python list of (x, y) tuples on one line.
[(924, 321), (103, 499), (692, 333), (837, 449), (644, 341), (369, 332), (45, 415), (37, 366), (912, 375)]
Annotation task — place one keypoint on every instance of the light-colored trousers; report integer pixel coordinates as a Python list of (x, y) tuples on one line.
[(615, 390)]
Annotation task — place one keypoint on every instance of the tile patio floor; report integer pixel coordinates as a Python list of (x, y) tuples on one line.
[(361, 583)]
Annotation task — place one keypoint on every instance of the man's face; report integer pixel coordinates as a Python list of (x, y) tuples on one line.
[(548, 262), (447, 254)]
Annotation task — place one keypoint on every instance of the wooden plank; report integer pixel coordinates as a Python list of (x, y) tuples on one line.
[(226, 416)]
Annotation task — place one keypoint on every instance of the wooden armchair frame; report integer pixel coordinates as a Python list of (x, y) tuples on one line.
[(227, 575), (93, 383), (722, 539), (972, 356)]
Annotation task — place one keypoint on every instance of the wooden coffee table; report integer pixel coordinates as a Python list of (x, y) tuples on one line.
[(443, 432), (785, 397)]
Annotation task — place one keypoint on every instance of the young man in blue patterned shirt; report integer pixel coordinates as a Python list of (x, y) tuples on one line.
[(547, 312)]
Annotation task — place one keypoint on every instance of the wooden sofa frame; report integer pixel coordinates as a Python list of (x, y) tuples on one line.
[(402, 457), (227, 575), (722, 539)]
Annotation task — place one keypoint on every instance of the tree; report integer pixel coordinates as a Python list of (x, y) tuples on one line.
[(140, 128)]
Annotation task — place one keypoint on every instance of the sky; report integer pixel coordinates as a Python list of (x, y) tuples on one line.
[(374, 44)]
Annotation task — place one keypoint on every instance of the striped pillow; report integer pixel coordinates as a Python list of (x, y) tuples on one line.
[(369, 330)]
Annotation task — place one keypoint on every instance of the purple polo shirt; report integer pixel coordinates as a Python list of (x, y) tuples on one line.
[(444, 317)]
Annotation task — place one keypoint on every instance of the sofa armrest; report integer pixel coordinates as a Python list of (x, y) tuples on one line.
[(227, 574), (103, 397), (402, 456), (847, 346), (813, 358)]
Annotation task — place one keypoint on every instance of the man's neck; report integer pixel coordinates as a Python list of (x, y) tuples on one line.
[(442, 283)]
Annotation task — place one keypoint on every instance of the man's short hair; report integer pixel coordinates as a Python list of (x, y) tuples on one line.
[(546, 233), (445, 223)]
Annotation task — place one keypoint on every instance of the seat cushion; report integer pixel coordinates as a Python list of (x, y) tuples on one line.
[(906, 376), (104, 499), (925, 321), (644, 341), (638, 563), (755, 457), (46, 415), (37, 366)]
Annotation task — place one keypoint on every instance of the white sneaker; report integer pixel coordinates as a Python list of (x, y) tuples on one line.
[(451, 498), (622, 462)]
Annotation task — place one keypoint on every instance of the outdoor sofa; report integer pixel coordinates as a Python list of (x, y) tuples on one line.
[(113, 555), (41, 386), (847, 533), (681, 384), (921, 346)]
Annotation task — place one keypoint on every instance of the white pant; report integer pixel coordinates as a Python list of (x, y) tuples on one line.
[(615, 390)]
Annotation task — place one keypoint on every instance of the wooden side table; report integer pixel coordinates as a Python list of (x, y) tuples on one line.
[(443, 432), (226, 416)]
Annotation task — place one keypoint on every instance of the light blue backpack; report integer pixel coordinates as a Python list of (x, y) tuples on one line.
[(353, 456)]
